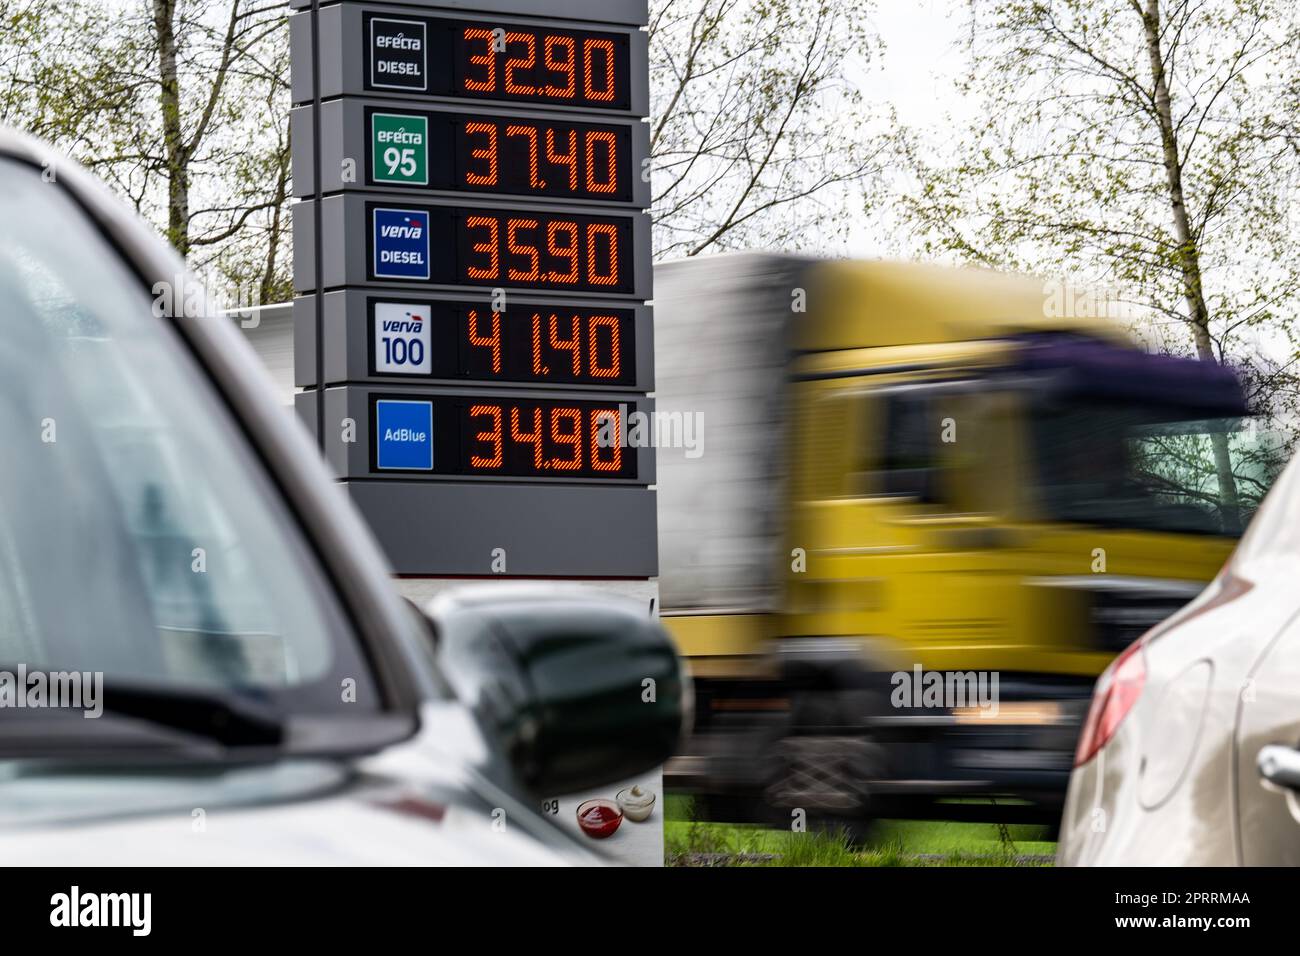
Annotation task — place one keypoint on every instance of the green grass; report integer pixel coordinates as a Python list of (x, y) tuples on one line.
[(939, 836), (692, 842)]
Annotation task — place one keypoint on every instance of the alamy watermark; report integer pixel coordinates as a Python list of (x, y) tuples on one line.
[(1063, 300), (77, 908), (186, 295), (657, 429), (945, 690), (53, 690)]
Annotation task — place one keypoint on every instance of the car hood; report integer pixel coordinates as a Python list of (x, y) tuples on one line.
[(417, 803)]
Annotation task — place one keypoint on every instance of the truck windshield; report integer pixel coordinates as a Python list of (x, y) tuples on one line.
[(1147, 467), (140, 537)]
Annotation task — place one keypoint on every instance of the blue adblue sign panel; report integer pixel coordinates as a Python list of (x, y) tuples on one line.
[(404, 435), (401, 243)]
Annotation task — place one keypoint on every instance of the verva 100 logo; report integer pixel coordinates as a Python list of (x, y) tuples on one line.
[(402, 339)]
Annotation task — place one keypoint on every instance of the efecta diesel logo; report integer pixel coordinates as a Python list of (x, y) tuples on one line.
[(401, 239), (398, 57)]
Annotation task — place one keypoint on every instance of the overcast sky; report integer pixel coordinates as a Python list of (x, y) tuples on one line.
[(923, 57)]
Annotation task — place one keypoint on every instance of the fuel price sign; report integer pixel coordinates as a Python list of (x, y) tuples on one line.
[(473, 259), (544, 345), (491, 60), (483, 435), (504, 154), (464, 245)]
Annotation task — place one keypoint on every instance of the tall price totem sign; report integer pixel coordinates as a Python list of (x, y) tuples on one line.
[(471, 265)]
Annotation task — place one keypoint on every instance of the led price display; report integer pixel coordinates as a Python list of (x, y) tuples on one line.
[(483, 60), (516, 437), (515, 155), (532, 344), (546, 251), (444, 245)]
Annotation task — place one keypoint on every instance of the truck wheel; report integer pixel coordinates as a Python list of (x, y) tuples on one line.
[(827, 776), (830, 775)]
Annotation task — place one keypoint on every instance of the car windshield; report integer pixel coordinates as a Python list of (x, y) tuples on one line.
[(1148, 467), (140, 536)]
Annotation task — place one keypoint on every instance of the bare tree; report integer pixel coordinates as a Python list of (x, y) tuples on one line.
[(757, 128), (1141, 144), (181, 105), (200, 61)]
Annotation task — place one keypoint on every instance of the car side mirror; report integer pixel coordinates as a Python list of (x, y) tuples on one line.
[(577, 689)]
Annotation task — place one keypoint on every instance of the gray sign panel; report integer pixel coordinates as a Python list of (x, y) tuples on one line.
[(401, 241), (439, 434), (531, 530), (407, 51), (479, 152), (473, 262), (532, 343)]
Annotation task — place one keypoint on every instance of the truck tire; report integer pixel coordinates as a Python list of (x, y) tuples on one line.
[(820, 771)]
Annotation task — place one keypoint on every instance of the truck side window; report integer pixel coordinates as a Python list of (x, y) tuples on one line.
[(909, 455)]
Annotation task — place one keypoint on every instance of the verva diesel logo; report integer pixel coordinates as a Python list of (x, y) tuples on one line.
[(401, 241), (410, 228)]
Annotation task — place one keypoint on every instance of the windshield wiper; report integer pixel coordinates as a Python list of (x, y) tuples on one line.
[(229, 721), (218, 716)]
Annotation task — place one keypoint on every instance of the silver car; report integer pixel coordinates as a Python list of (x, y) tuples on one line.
[(249, 687), (1189, 753)]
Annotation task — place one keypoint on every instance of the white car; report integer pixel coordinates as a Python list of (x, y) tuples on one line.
[(264, 695), (1189, 753)]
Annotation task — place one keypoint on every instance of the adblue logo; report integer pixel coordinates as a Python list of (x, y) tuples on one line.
[(403, 435)]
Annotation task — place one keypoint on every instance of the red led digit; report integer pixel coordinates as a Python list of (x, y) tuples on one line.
[(488, 153), (490, 435), (568, 250), (564, 66), (594, 367), (538, 367), (571, 436), (487, 81), (529, 133), (488, 247), (606, 418), (515, 62), (533, 438), (606, 51), (610, 274), (569, 159), (491, 341), (611, 177), (518, 249), (572, 345)]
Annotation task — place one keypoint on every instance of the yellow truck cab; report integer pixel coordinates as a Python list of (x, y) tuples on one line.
[(929, 506)]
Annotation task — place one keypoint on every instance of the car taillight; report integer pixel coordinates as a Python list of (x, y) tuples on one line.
[(1117, 691)]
